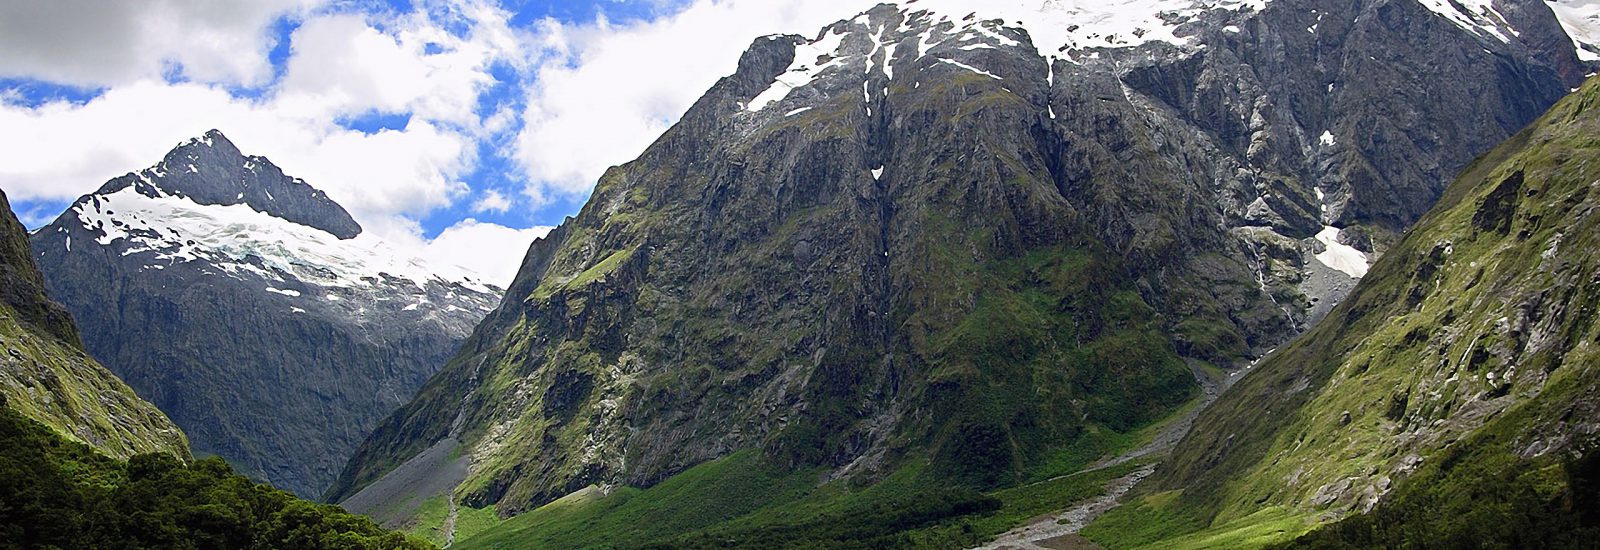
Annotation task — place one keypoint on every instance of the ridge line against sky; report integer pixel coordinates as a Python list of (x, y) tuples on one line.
[(457, 129)]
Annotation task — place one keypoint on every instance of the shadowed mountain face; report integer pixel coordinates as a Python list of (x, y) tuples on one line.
[(252, 309), (46, 375), (923, 234), (1456, 394)]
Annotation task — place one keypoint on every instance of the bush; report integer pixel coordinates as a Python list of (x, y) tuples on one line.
[(59, 494)]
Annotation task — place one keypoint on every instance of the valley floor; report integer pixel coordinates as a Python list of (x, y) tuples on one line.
[(1059, 530)]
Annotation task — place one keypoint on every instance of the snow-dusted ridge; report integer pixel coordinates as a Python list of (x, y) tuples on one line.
[(1059, 29), (1074, 30), (239, 240), (1478, 16), (1061, 25)]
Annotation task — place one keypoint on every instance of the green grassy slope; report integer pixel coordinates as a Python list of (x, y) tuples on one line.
[(1470, 348), (736, 502)]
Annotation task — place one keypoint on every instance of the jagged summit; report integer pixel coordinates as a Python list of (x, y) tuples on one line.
[(209, 170), (239, 214)]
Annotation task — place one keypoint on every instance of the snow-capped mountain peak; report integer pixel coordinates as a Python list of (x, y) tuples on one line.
[(241, 217), (209, 170)]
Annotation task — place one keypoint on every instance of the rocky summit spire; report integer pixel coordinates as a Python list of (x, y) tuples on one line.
[(210, 170)]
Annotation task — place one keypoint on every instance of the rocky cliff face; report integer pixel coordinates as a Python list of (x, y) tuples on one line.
[(1467, 357), (251, 308), (46, 375), (973, 233)]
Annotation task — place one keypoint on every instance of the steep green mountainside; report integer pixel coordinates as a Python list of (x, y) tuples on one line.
[(48, 376), (62, 494), (1455, 395), (917, 241)]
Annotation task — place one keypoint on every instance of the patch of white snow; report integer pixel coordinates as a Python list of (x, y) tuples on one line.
[(1341, 256), (810, 60), (1478, 16), (971, 68)]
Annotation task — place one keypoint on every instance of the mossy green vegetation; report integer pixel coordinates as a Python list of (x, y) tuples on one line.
[(1479, 498), (60, 386), (1092, 356), (1158, 521), (587, 276), (715, 491), (62, 494)]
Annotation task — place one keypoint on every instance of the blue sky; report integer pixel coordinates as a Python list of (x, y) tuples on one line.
[(484, 121), (492, 171)]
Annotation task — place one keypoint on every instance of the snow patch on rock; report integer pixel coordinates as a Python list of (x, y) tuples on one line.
[(1340, 256)]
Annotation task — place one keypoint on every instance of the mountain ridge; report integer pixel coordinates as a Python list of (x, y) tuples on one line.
[(951, 213), (219, 179)]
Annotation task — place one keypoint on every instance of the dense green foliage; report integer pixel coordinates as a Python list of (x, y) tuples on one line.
[(61, 494)]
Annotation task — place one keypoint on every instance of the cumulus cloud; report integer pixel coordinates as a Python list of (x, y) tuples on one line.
[(603, 92), (344, 64), (95, 43), (341, 65), (492, 251), (492, 201)]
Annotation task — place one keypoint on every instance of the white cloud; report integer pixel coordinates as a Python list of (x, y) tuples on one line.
[(341, 65), (492, 251), (98, 43), (492, 201), (61, 150), (602, 92)]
